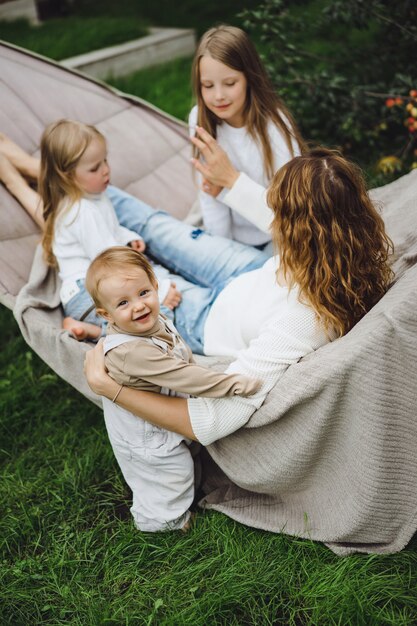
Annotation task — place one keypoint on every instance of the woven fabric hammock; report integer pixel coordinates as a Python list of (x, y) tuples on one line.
[(331, 455)]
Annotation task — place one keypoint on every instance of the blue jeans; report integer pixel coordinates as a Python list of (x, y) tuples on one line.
[(201, 264)]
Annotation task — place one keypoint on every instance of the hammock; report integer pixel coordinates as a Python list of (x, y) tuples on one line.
[(331, 455)]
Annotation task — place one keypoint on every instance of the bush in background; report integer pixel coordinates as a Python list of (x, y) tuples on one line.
[(335, 62)]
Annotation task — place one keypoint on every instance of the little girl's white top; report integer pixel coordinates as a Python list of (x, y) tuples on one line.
[(267, 329), (241, 213), (82, 231)]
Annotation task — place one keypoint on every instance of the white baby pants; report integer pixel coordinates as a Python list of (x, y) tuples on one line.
[(156, 464)]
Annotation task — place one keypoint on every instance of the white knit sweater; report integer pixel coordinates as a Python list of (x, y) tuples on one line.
[(241, 213), (266, 328)]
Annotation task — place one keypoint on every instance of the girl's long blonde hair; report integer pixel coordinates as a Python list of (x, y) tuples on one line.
[(63, 143), (331, 239), (232, 47)]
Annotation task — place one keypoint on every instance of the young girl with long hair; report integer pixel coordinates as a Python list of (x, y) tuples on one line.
[(77, 218), (252, 134), (331, 266)]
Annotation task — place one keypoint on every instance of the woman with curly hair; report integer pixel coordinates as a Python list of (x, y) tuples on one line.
[(331, 266)]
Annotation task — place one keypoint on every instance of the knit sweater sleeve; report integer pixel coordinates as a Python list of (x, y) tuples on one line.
[(280, 344)]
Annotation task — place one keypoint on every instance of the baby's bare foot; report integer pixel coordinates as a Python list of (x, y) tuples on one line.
[(23, 162), (81, 330), (189, 523), (11, 177), (20, 189)]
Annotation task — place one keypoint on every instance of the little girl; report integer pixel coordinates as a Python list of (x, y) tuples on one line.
[(78, 219), (249, 134)]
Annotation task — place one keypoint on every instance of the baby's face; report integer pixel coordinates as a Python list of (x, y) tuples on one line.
[(129, 302)]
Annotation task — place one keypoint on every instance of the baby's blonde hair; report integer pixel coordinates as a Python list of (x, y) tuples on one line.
[(118, 259), (63, 143)]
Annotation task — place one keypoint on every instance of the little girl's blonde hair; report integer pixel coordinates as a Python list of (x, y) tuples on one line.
[(63, 143), (232, 47)]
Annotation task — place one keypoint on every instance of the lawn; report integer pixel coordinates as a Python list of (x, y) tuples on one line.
[(63, 38), (167, 86), (87, 28), (70, 553)]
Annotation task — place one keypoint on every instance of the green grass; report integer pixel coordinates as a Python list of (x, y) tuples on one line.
[(167, 86), (63, 38), (184, 14), (70, 553)]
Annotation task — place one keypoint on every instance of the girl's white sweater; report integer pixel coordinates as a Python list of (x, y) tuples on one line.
[(241, 213)]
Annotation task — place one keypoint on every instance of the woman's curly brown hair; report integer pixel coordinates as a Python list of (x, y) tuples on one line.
[(331, 239)]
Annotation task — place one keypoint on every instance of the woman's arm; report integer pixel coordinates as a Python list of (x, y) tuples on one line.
[(215, 418), (164, 411), (137, 363), (294, 333)]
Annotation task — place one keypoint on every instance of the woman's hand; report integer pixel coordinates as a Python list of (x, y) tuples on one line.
[(96, 374), (164, 411), (217, 168)]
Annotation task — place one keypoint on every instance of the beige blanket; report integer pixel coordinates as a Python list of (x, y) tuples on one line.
[(331, 455)]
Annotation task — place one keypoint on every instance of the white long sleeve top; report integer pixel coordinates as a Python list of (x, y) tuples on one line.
[(241, 213), (83, 231), (267, 328)]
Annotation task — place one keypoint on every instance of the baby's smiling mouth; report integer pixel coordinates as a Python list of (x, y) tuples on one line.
[(143, 317)]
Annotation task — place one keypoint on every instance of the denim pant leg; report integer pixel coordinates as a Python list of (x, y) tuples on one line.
[(79, 304), (201, 258), (191, 313)]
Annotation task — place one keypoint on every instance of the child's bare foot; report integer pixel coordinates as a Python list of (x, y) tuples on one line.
[(8, 172), (189, 523), (81, 330), (23, 162)]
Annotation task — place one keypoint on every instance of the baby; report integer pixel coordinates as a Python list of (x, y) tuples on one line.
[(144, 350)]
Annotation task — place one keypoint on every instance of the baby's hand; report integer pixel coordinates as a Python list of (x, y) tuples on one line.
[(138, 244), (212, 190), (173, 297)]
